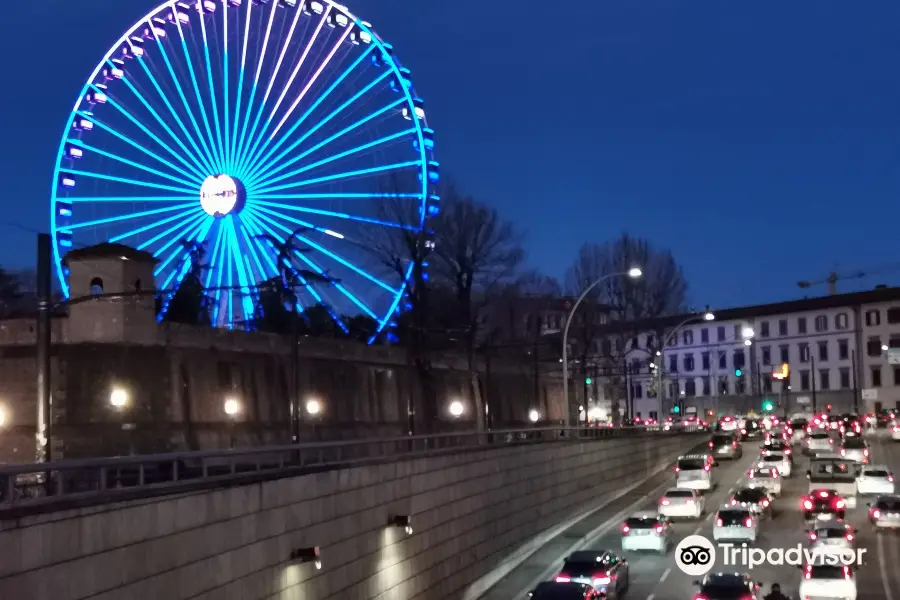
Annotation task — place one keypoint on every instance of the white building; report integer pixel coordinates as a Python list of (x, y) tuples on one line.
[(880, 342)]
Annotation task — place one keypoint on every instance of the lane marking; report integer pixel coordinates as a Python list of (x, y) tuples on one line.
[(665, 575), (709, 517), (696, 531), (882, 566)]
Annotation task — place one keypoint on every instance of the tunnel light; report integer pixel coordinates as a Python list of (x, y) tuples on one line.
[(402, 521), (307, 555)]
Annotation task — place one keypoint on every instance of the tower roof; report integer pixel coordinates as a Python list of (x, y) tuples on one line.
[(110, 250)]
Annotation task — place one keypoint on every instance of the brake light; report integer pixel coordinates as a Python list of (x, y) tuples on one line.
[(699, 597), (677, 469), (891, 478), (750, 473), (734, 444), (774, 473), (659, 529), (664, 501), (849, 537), (563, 579), (601, 579), (787, 452), (718, 522), (823, 494), (807, 505), (706, 467), (808, 573), (876, 514), (839, 504), (743, 431), (847, 575), (748, 522), (866, 452), (765, 503), (733, 502), (625, 529), (812, 536)]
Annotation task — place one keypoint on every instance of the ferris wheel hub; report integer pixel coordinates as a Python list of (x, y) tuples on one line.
[(222, 195)]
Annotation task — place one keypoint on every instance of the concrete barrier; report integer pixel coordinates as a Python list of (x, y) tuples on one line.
[(468, 512)]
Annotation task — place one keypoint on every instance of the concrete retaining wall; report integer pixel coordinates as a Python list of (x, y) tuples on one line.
[(468, 510)]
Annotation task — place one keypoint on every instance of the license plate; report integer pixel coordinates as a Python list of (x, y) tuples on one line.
[(723, 450), (642, 532), (893, 516), (825, 517)]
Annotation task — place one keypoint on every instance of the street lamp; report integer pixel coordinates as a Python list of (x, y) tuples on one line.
[(707, 315), (456, 409), (313, 407), (232, 407), (4, 417), (634, 273), (534, 416), (118, 398)]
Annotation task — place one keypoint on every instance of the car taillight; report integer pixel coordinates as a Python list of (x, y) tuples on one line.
[(733, 502), (849, 537), (807, 574), (601, 579), (807, 505), (774, 473), (750, 474), (699, 597), (847, 574), (831, 441), (812, 536), (866, 452), (563, 578), (843, 452), (718, 522), (876, 514), (895, 429), (765, 503), (839, 504), (787, 452), (625, 529), (734, 444), (659, 529), (677, 469), (664, 501), (890, 478), (743, 431), (706, 467)]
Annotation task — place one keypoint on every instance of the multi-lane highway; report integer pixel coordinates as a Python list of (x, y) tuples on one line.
[(655, 577)]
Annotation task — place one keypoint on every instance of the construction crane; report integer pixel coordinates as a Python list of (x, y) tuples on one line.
[(834, 277)]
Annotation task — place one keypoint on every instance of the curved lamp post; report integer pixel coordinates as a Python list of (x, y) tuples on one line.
[(634, 273), (660, 392)]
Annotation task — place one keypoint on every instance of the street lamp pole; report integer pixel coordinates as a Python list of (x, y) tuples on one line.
[(660, 391), (634, 273)]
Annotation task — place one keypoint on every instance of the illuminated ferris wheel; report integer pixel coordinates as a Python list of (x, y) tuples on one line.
[(246, 125)]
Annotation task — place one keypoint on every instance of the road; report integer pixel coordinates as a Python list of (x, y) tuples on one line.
[(656, 577)]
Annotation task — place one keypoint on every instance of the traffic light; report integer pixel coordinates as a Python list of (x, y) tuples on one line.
[(588, 380), (768, 405), (676, 409), (738, 372)]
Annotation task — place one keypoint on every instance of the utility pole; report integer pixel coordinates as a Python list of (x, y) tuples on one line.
[(812, 376), (43, 339), (855, 382)]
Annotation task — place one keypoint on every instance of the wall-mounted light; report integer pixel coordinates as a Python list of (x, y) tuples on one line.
[(307, 555), (4, 416), (232, 407), (118, 398), (313, 407), (534, 416), (457, 409), (402, 521)]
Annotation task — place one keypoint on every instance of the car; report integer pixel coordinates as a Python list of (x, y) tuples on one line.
[(835, 423), (726, 445), (679, 502), (776, 445), (727, 424), (832, 535), (818, 442), (751, 429), (755, 499), (694, 472), (766, 478), (727, 586), (851, 423), (895, 431), (823, 504), (646, 530), (855, 449), (552, 590), (735, 523), (798, 429), (605, 571), (875, 480), (777, 460), (775, 436), (884, 512), (828, 581)]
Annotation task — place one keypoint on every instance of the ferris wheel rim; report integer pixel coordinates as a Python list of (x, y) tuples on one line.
[(378, 44)]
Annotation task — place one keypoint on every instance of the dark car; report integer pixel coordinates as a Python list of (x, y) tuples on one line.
[(752, 429), (725, 445), (823, 503), (602, 569), (727, 586), (756, 499), (551, 590)]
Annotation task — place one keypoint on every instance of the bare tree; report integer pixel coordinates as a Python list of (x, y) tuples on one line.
[(478, 254)]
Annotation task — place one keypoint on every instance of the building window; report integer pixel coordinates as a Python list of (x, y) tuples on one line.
[(720, 333), (764, 329), (738, 359), (873, 318), (804, 353), (96, 286), (673, 363), (688, 362), (823, 351), (737, 331), (876, 376), (673, 340), (723, 385), (767, 385), (635, 343), (782, 327), (801, 324), (873, 346), (740, 385), (704, 357), (688, 337), (704, 336), (636, 365), (784, 353), (824, 383), (706, 390), (690, 387), (841, 321), (674, 392), (620, 345), (638, 391), (804, 380), (896, 375), (845, 378), (650, 341), (821, 323), (723, 360), (893, 315), (843, 350), (766, 356)]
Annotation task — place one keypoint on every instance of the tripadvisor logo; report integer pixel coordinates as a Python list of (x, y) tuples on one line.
[(696, 556)]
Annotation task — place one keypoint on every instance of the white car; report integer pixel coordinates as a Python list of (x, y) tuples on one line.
[(694, 472), (855, 449), (895, 431), (677, 502), (819, 442), (828, 581), (832, 535), (876, 480), (766, 478), (735, 523), (646, 530), (777, 460)]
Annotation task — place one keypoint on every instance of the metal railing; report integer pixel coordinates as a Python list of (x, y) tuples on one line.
[(48, 486)]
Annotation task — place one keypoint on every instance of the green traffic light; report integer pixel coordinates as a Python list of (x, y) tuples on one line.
[(588, 380), (768, 406), (676, 409), (738, 372)]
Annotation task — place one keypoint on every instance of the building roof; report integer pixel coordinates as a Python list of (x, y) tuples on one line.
[(109, 250)]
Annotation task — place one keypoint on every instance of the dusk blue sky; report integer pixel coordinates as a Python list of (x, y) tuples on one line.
[(759, 141)]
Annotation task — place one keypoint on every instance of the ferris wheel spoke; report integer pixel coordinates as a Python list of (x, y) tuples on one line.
[(217, 301), (148, 227), (134, 144), (214, 256), (207, 153), (212, 88), (188, 221), (218, 161), (271, 83), (127, 217), (252, 251), (226, 131), (199, 233), (130, 199), (131, 163), (328, 213), (253, 89), (255, 229), (264, 162), (238, 259), (196, 168), (264, 214), (178, 275), (335, 196), (237, 102), (338, 176), (125, 180), (362, 148), (276, 165)]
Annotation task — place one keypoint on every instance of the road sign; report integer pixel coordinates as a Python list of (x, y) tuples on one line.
[(870, 394), (894, 356)]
